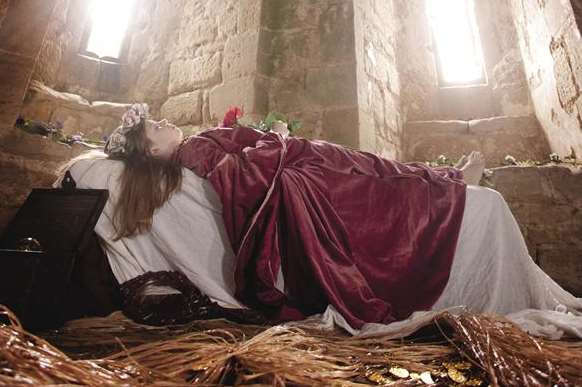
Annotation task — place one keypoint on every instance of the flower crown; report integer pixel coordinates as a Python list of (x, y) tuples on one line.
[(117, 142)]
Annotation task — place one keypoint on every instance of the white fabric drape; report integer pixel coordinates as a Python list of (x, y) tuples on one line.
[(492, 270)]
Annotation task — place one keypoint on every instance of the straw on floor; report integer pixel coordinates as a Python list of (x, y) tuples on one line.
[(472, 350)]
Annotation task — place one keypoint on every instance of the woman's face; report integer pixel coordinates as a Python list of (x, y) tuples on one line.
[(164, 138)]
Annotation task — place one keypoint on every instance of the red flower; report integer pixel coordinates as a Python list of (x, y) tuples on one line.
[(231, 117)]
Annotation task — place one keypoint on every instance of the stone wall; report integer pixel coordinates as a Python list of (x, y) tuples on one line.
[(3, 10), (506, 91), (505, 94), (495, 137), (17, 61), (308, 64), (380, 122), (352, 71), (74, 114), (547, 204), (192, 60), (142, 73), (213, 63), (552, 50), (18, 56)]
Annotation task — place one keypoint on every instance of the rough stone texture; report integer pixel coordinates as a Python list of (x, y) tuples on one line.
[(547, 204), (551, 46), (495, 137), (3, 10), (15, 73), (248, 93), (353, 71), (184, 109), (380, 122), (307, 62), (18, 175), (59, 35), (506, 90), (215, 56), (190, 74), (238, 59), (26, 162), (76, 115), (425, 104), (17, 56)]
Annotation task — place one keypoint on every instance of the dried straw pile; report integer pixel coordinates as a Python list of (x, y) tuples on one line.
[(115, 351)]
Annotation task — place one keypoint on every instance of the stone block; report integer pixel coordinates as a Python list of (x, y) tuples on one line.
[(568, 90), (526, 126), (110, 109), (311, 123), (152, 82), (466, 103), (515, 100), (19, 175), (240, 56), (74, 112), (15, 71), (190, 74), (341, 126), (336, 31), (183, 109), (248, 93), (288, 53), (496, 137), (24, 26), (249, 15), (332, 86), (563, 264), (227, 21), (287, 94), (33, 152), (543, 200), (80, 73), (285, 15), (196, 31)]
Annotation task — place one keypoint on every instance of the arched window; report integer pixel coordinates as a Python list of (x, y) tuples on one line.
[(459, 54), (109, 20)]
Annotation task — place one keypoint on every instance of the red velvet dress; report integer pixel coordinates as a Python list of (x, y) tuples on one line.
[(374, 238)]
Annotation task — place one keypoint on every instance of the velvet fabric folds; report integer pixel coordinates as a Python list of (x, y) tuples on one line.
[(374, 238)]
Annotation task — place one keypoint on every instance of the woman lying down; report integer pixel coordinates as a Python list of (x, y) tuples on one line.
[(293, 228)]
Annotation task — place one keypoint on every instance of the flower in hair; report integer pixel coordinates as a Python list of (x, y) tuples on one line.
[(117, 142), (134, 115)]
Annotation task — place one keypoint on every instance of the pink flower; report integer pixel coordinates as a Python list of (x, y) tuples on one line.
[(231, 117)]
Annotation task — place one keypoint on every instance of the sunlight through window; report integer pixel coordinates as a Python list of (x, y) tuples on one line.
[(457, 40), (109, 19)]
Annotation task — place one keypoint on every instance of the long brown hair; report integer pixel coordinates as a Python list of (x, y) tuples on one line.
[(146, 183)]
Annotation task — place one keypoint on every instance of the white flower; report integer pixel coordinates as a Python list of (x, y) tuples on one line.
[(442, 160), (133, 116), (281, 128), (116, 142), (510, 160)]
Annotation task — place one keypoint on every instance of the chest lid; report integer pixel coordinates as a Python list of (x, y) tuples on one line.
[(60, 220)]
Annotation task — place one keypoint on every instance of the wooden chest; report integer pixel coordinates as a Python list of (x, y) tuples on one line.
[(40, 249)]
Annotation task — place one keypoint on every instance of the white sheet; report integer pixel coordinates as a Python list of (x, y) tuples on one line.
[(492, 270), (187, 234)]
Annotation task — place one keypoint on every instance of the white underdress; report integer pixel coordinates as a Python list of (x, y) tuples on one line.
[(492, 270)]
